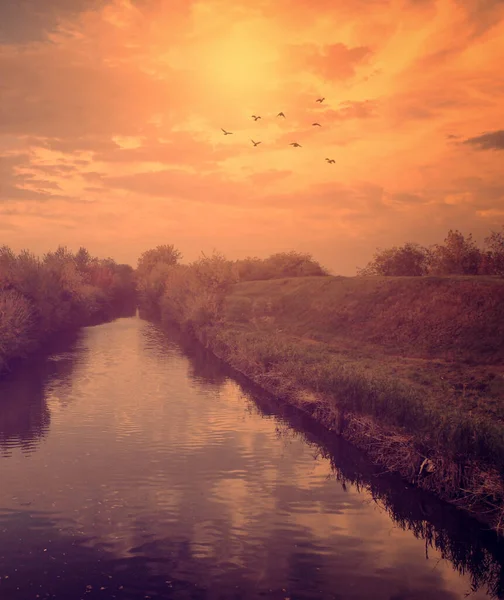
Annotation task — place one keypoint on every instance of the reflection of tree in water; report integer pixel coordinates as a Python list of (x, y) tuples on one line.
[(458, 538), (204, 368), (468, 546), (24, 414)]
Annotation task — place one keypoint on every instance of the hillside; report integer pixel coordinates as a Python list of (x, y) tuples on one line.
[(430, 317), (409, 369)]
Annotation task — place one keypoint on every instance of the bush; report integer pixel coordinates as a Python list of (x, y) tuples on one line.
[(459, 255), (16, 325), (494, 256), (40, 296), (194, 293), (407, 260), (277, 266)]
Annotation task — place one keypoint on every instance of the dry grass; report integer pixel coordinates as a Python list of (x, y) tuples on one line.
[(445, 317), (409, 369)]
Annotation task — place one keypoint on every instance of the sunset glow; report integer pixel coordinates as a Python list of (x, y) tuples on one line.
[(111, 116)]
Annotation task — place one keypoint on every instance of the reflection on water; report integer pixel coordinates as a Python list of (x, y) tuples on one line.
[(24, 414), (162, 475)]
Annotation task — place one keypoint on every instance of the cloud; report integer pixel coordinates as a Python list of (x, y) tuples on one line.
[(350, 109), (270, 176), (331, 62), (92, 176), (122, 101), (57, 93), (181, 148), (17, 184), (493, 140), (61, 170), (22, 22), (179, 184)]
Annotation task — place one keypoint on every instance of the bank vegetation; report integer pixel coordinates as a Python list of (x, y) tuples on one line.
[(40, 296), (409, 368)]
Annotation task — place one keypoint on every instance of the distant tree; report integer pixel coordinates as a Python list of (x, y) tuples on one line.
[(494, 256), (165, 254), (83, 259), (281, 264), (459, 255), (408, 260)]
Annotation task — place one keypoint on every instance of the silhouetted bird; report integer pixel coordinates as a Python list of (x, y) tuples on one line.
[(295, 144), (320, 100), (255, 143), (316, 124), (280, 114), (227, 132), (330, 160), (255, 117)]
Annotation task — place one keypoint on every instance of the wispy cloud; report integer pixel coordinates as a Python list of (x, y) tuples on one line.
[(493, 140), (119, 104)]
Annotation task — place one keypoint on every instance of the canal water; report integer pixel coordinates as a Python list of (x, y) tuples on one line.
[(135, 466)]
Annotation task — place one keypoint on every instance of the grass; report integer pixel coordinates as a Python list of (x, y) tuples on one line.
[(409, 369), (446, 317)]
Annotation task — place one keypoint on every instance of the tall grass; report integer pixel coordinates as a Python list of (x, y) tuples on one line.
[(42, 295), (339, 348)]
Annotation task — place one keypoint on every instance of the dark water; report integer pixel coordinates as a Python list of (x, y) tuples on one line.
[(133, 466)]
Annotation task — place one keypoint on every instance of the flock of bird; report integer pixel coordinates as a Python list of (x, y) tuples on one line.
[(294, 144)]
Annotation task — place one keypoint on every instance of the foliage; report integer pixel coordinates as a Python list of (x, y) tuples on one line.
[(194, 293), (282, 264), (409, 260), (152, 271), (39, 296), (458, 255), (495, 253)]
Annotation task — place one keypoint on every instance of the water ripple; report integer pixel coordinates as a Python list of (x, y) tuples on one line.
[(134, 467)]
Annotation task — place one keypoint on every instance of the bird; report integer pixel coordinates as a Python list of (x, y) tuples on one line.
[(255, 143), (320, 100), (280, 114), (316, 124), (255, 117), (330, 160), (227, 132), (295, 144)]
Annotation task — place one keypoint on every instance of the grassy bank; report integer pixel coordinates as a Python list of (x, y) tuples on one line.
[(409, 369), (40, 296)]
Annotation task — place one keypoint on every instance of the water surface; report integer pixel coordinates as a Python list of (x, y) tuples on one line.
[(134, 466)]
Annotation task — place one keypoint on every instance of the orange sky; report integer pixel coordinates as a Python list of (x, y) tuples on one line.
[(111, 116)]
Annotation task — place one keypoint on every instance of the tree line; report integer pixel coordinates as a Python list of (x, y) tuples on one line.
[(39, 296), (459, 255)]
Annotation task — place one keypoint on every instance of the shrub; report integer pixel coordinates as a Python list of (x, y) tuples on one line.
[(407, 260), (16, 325), (282, 264), (44, 295)]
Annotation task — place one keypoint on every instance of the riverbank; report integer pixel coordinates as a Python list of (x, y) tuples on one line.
[(40, 297), (408, 369)]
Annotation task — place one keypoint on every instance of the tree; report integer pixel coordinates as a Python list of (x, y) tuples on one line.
[(408, 260), (165, 254), (458, 256), (279, 265), (495, 253)]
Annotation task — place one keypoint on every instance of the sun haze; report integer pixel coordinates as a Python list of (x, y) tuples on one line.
[(112, 116)]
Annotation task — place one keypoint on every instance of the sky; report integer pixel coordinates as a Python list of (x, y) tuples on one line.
[(111, 114)]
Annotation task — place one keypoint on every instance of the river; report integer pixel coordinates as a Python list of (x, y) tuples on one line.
[(134, 466)]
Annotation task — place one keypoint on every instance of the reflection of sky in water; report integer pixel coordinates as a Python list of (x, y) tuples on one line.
[(154, 457)]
